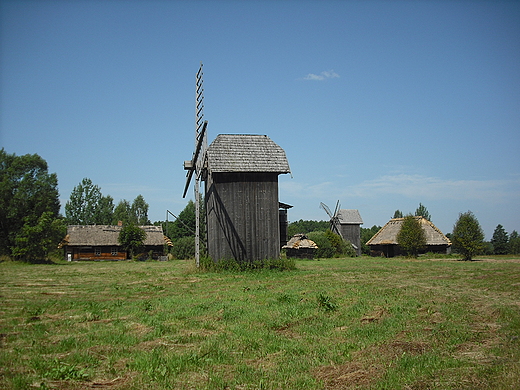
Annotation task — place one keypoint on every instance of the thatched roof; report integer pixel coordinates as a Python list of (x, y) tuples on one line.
[(349, 217), (300, 241), (246, 153), (107, 235), (387, 235)]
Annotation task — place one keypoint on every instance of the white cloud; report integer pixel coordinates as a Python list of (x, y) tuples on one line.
[(412, 186), (328, 74), (418, 186)]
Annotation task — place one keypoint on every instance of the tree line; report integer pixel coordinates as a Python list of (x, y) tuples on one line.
[(31, 225), (88, 206)]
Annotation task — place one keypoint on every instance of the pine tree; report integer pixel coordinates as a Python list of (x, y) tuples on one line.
[(514, 243), (500, 241), (422, 211)]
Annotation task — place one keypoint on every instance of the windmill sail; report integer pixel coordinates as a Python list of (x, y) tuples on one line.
[(193, 165)]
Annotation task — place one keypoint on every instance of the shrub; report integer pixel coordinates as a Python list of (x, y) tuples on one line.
[(467, 236), (331, 245), (184, 248), (411, 237), (325, 249), (207, 264)]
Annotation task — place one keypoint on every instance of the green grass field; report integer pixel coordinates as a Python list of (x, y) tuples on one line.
[(367, 323)]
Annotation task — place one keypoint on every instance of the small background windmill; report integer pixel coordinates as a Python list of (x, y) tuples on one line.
[(346, 223), (334, 219)]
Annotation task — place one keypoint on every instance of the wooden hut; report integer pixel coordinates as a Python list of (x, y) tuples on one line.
[(100, 242), (384, 242), (242, 207), (300, 246), (349, 225)]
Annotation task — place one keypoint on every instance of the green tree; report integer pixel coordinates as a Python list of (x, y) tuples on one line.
[(184, 248), (411, 237), (105, 210), (398, 214), (325, 249), (341, 246), (34, 242), (304, 227), (83, 206), (514, 243), (122, 213), (500, 241), (184, 225), (139, 211), (27, 191), (131, 237), (422, 211), (467, 236)]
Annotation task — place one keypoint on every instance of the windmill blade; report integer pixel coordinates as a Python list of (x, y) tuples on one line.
[(193, 165), (188, 180), (336, 227), (326, 208), (336, 209)]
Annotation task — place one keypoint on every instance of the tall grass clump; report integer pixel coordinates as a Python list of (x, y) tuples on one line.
[(231, 265)]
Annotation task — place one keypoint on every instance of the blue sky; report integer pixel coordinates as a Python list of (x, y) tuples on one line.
[(378, 104)]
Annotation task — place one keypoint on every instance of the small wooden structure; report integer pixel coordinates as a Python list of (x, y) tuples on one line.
[(242, 207), (100, 242), (301, 247), (349, 226), (284, 222), (384, 242)]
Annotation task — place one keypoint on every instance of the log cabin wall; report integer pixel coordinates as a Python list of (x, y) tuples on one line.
[(96, 253)]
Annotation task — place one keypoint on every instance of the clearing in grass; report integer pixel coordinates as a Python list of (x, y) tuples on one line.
[(367, 323)]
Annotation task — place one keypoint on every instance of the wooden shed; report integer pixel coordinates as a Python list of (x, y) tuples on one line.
[(384, 242), (349, 224), (300, 246), (242, 207), (100, 242)]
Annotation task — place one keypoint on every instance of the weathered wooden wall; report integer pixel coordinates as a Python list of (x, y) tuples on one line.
[(352, 233), (242, 216)]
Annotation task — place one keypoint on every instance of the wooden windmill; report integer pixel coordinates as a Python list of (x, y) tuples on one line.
[(334, 218), (346, 223), (196, 164), (241, 191)]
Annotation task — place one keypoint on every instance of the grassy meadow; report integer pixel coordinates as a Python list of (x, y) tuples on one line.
[(367, 323)]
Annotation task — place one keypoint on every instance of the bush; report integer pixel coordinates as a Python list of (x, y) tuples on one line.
[(467, 237), (207, 264), (331, 245), (411, 237), (325, 249), (184, 248)]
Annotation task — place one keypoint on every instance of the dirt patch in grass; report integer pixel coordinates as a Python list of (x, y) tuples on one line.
[(348, 375), (368, 365)]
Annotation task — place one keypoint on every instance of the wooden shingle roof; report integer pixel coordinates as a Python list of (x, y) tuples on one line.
[(350, 217), (107, 235), (246, 153), (387, 235)]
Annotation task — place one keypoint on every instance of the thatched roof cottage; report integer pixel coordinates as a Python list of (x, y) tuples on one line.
[(384, 242), (100, 242)]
